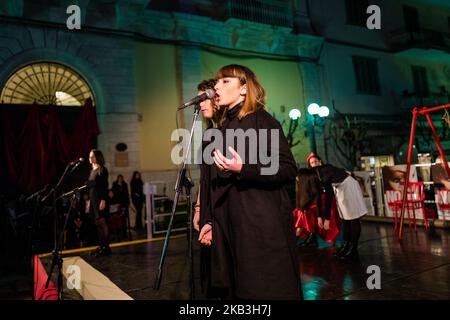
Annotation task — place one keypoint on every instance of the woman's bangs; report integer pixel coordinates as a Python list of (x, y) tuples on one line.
[(230, 72)]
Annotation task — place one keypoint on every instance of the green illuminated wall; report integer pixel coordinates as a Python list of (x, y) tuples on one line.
[(157, 98)]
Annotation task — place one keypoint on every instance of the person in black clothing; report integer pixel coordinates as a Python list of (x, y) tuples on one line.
[(305, 215), (203, 214), (120, 189), (137, 197), (98, 194), (116, 217), (350, 204), (253, 242), (310, 220)]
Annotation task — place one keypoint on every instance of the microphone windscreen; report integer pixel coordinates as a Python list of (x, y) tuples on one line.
[(210, 93)]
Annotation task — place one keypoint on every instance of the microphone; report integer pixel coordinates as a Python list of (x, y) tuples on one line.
[(75, 164), (209, 94)]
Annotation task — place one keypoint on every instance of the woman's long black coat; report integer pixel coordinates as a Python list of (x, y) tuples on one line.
[(253, 249), (98, 191), (206, 217)]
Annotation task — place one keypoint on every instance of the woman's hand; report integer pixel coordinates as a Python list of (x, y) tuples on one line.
[(224, 164), (102, 205), (196, 219), (78, 223), (320, 222), (326, 224), (205, 236)]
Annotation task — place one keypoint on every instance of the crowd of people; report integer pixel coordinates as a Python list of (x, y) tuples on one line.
[(93, 216), (101, 213), (103, 209)]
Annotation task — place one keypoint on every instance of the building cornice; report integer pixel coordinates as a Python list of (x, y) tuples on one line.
[(132, 19)]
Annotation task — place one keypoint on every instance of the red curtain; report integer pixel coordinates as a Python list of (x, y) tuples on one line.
[(86, 130), (10, 158), (33, 153), (58, 141)]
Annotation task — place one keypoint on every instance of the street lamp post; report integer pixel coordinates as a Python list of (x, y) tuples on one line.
[(316, 116), (312, 132)]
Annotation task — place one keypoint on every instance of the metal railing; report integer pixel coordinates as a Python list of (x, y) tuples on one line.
[(435, 98), (273, 12), (424, 38)]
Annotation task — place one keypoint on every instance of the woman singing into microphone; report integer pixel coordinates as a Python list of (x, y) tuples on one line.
[(253, 239)]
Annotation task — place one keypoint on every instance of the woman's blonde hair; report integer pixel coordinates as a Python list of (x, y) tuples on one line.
[(256, 95)]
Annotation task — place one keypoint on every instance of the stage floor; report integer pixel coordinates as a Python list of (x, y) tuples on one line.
[(416, 268)]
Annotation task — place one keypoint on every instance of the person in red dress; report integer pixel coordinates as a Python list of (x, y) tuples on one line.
[(309, 221)]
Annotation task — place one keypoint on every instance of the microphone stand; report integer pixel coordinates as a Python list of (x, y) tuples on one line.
[(186, 183), (36, 197), (56, 254), (74, 195)]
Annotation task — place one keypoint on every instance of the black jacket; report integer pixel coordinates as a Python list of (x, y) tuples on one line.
[(205, 189), (253, 231), (137, 191), (308, 188), (98, 189), (328, 175), (121, 193)]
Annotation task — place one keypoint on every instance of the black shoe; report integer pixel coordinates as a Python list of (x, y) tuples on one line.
[(299, 241), (101, 251), (352, 251), (342, 249), (96, 252), (311, 240), (106, 251)]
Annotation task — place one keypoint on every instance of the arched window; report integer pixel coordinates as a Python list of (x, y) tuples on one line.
[(46, 83)]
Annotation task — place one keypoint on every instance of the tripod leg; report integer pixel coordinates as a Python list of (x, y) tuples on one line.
[(60, 259), (190, 243), (128, 224), (30, 244), (51, 270), (166, 243), (55, 249), (60, 277)]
